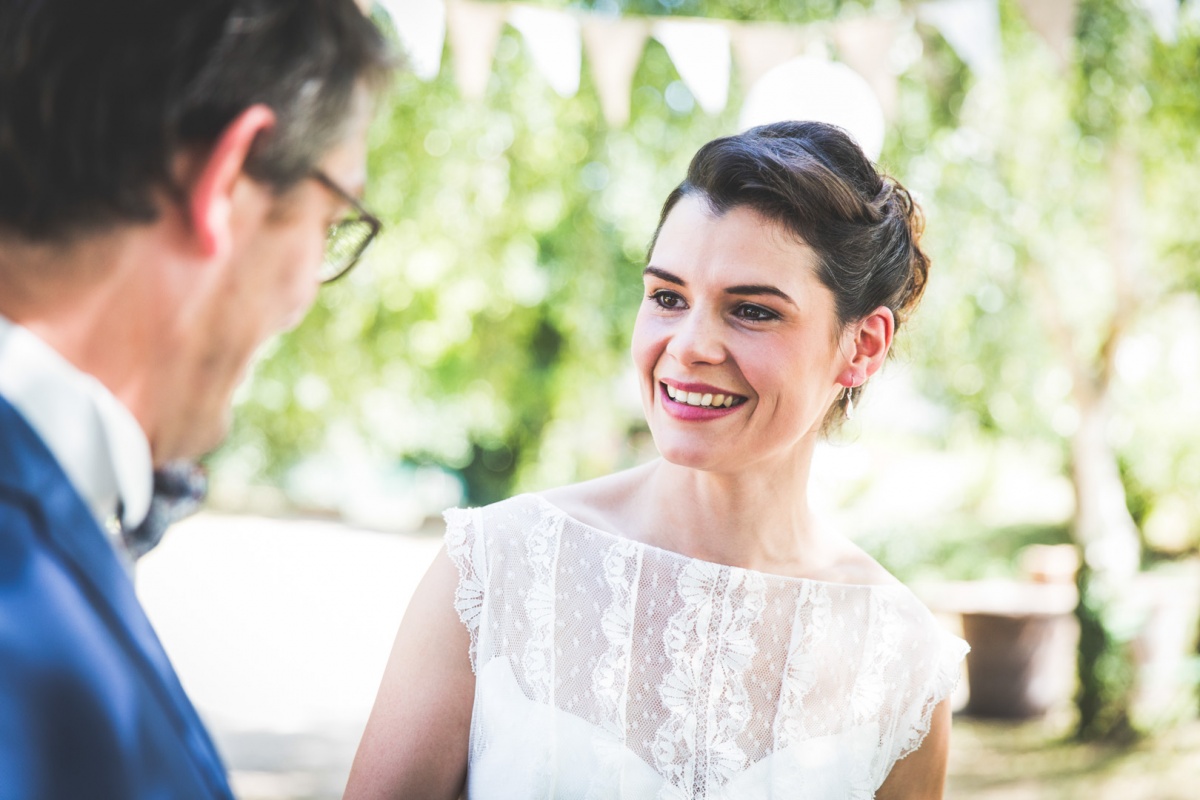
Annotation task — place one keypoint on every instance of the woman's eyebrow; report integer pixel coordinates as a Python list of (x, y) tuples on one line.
[(664, 275), (753, 289), (742, 290)]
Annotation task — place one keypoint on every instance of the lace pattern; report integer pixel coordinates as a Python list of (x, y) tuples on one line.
[(541, 550), (943, 680), (633, 672), (710, 647), (622, 565), (465, 550), (809, 628)]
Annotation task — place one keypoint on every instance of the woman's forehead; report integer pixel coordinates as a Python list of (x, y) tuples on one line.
[(731, 247)]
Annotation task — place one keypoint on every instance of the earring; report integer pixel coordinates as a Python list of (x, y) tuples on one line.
[(848, 396)]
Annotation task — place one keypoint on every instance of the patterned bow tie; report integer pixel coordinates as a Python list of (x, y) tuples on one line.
[(179, 489)]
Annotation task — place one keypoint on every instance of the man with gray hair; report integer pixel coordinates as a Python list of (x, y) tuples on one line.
[(176, 181)]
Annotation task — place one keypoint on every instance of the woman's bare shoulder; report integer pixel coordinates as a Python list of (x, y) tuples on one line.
[(608, 503), (847, 563)]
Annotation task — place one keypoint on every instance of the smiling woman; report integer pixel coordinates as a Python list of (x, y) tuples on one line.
[(687, 629), (734, 307)]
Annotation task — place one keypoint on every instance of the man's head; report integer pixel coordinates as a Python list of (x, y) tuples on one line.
[(168, 173)]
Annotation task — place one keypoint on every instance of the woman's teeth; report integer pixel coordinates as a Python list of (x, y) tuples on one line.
[(698, 399)]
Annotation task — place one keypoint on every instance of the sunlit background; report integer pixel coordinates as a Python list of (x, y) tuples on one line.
[(1042, 411)]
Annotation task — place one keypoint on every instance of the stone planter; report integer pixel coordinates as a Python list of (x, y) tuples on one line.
[(1021, 665), (1023, 638)]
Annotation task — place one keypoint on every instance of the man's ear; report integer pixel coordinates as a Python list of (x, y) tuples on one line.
[(210, 198), (872, 340)]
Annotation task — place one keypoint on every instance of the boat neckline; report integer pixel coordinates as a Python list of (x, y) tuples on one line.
[(894, 586)]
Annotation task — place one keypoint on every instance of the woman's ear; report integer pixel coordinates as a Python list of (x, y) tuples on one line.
[(872, 340), (217, 175)]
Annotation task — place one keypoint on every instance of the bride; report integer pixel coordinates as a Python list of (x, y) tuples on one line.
[(686, 629)]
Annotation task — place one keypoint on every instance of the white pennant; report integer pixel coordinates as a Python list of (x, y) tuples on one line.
[(758, 47), (474, 29), (553, 40), (865, 44), (1054, 21), (971, 27), (700, 51), (421, 26), (1164, 16), (614, 48)]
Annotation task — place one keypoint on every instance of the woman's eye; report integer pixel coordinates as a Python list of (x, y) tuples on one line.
[(755, 313), (667, 299)]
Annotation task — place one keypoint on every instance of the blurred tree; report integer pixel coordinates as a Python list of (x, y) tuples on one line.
[(1041, 199), (489, 327)]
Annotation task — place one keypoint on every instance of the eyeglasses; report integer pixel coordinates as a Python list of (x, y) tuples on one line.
[(349, 237)]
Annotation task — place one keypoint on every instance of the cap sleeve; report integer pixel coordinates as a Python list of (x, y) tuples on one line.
[(940, 676), (465, 546)]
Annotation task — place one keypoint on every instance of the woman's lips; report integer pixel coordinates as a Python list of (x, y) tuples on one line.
[(698, 401)]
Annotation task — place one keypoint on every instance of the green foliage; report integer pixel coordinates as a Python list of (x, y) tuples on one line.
[(1106, 672), (488, 328), (958, 549), (755, 10), (1114, 45)]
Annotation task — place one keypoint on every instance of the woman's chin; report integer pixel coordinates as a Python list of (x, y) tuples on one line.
[(693, 456)]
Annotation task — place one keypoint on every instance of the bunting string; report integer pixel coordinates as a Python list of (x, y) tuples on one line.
[(706, 52)]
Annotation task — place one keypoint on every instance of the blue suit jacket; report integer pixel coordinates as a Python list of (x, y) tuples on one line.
[(89, 704)]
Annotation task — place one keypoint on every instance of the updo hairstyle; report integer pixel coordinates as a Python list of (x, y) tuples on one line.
[(812, 179)]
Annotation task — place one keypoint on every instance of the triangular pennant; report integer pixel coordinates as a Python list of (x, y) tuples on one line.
[(1054, 21), (614, 49), (1164, 16), (760, 46), (553, 40), (700, 51), (865, 44), (971, 27), (421, 27), (474, 29)]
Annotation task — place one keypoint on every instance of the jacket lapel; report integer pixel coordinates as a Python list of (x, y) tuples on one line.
[(71, 531)]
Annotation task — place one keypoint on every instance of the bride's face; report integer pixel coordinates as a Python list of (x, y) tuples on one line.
[(736, 344)]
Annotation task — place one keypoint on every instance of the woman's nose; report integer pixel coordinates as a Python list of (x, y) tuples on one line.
[(697, 340)]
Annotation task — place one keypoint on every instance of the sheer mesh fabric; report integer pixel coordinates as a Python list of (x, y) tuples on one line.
[(609, 669)]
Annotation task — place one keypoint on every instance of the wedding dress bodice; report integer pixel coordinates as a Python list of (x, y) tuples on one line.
[(611, 670)]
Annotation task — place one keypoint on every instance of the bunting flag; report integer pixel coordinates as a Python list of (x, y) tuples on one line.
[(1054, 21), (1164, 17), (700, 51), (553, 41), (614, 49), (865, 44), (699, 48), (474, 29), (421, 27), (761, 46), (971, 27)]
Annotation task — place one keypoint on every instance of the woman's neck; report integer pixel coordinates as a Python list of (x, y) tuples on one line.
[(757, 518)]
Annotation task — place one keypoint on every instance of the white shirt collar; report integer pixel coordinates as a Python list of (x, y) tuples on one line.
[(95, 439)]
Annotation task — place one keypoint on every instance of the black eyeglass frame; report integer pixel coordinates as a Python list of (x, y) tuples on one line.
[(363, 214)]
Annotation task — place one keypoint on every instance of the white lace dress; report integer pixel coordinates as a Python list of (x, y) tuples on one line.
[(611, 670)]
